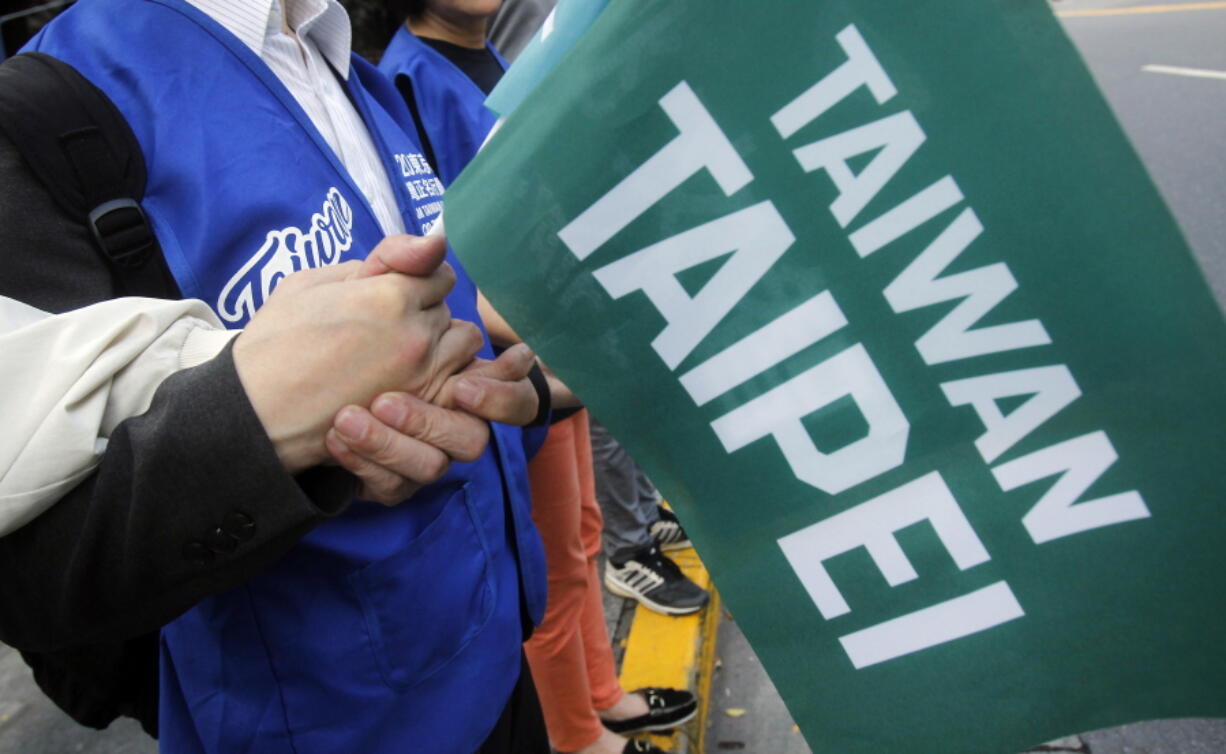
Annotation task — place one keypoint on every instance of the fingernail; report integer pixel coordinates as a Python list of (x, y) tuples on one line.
[(332, 439), (468, 393), (389, 410), (349, 423)]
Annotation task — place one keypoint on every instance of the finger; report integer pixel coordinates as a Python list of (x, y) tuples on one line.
[(456, 349), (418, 292), (378, 484), (406, 254), (497, 400), (460, 436), (511, 365), (375, 441)]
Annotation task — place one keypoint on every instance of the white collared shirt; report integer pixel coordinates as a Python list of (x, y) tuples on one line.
[(302, 63)]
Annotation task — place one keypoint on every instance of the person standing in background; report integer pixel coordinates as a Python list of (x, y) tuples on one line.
[(442, 63), (637, 532)]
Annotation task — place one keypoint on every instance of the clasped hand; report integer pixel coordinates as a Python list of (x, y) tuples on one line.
[(361, 364)]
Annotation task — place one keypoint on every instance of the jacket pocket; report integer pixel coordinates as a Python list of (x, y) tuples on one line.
[(425, 604)]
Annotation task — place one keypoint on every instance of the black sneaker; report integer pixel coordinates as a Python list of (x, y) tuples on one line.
[(641, 747), (656, 582), (668, 532), (666, 708)]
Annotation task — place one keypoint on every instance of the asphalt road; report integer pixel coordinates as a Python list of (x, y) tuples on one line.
[(1155, 65)]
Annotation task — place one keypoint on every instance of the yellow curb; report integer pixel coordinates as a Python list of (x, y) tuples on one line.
[(706, 669), (666, 650), (1140, 9)]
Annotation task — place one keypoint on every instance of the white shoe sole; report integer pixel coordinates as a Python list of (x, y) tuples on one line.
[(687, 544), (659, 726), (624, 591)]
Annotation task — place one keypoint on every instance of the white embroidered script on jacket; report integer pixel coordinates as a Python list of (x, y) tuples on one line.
[(285, 251)]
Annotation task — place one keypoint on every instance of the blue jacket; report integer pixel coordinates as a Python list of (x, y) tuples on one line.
[(384, 629), (450, 107)]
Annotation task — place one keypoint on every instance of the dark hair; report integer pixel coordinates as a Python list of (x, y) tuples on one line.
[(402, 9)]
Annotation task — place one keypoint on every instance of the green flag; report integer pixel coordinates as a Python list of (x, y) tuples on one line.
[(884, 302)]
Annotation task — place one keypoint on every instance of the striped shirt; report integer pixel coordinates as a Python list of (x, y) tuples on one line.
[(304, 62)]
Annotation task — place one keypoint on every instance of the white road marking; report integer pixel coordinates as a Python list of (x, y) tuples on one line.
[(1174, 70)]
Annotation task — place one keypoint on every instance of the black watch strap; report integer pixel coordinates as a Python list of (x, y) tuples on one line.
[(544, 400)]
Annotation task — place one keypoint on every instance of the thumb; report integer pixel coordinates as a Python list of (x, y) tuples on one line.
[(511, 365), (406, 254)]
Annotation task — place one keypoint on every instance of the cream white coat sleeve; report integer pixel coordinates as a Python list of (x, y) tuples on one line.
[(67, 380)]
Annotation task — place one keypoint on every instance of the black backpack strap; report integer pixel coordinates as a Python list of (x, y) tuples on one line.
[(80, 146)]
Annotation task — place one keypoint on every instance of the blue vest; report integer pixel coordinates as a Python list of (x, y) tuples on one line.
[(384, 629), (450, 107)]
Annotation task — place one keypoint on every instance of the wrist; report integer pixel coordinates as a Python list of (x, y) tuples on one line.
[(298, 446)]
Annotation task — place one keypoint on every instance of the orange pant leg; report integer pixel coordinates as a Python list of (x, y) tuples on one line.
[(601, 671), (561, 479)]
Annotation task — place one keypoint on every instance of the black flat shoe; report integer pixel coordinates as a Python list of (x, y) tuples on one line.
[(666, 708)]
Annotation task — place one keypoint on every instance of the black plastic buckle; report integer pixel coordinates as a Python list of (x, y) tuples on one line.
[(122, 232)]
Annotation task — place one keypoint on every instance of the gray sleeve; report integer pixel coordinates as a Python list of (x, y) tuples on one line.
[(514, 24)]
